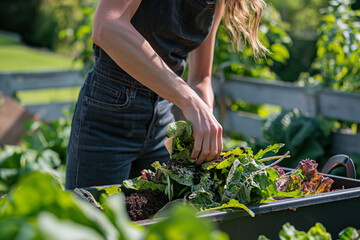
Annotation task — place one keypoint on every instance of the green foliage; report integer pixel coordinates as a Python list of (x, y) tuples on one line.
[(54, 135), (349, 233), (47, 23), (338, 49), (182, 142), (303, 16), (83, 35), (303, 136), (16, 161), (317, 232), (272, 34), (38, 208), (44, 149), (236, 179), (184, 225), (37, 204), (51, 20)]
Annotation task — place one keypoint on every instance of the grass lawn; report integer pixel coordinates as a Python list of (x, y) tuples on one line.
[(48, 95), (16, 57)]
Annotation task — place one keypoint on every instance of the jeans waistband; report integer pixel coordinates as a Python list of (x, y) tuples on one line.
[(119, 75)]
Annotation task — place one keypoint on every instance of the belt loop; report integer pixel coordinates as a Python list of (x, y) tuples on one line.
[(133, 89)]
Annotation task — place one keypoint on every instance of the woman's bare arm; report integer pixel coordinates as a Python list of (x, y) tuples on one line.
[(201, 60), (200, 72), (114, 33)]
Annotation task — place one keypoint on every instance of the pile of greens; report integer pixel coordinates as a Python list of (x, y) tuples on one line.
[(238, 178)]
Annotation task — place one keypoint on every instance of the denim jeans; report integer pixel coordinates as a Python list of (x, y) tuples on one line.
[(118, 129)]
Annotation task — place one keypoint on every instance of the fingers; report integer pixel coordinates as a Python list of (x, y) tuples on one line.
[(207, 142), (197, 148), (219, 142), (204, 149), (213, 147)]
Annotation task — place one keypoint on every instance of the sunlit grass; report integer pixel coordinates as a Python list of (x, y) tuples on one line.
[(16, 57), (48, 95)]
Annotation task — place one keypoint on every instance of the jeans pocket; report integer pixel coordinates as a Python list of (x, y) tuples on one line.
[(109, 95)]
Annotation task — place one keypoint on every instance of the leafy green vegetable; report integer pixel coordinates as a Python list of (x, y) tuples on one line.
[(112, 190), (304, 178), (234, 204), (316, 232), (349, 233), (275, 148), (182, 142), (181, 174), (137, 184), (16, 161), (44, 149)]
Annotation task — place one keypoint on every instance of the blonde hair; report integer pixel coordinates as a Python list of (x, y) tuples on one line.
[(242, 19)]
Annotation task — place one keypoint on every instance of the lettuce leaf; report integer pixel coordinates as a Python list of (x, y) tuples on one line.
[(233, 204), (138, 183), (182, 144), (349, 233), (275, 148), (181, 174)]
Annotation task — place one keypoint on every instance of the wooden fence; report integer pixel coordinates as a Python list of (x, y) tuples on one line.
[(10, 84), (309, 101)]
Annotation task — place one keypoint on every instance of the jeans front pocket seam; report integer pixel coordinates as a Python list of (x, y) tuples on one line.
[(109, 106), (106, 89)]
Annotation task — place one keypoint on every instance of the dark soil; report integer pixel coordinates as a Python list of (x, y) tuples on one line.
[(144, 203)]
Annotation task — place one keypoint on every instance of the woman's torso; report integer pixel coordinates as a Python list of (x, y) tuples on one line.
[(172, 27)]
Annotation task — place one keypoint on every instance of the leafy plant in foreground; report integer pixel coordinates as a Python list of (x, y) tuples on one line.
[(38, 208), (317, 232), (44, 149)]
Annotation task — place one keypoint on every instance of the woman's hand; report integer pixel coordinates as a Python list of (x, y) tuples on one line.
[(207, 132)]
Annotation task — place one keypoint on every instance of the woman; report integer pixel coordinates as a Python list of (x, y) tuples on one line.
[(124, 106)]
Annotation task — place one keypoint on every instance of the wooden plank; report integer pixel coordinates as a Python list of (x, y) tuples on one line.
[(12, 118), (249, 125), (345, 143), (5, 86), (50, 111), (278, 93), (340, 105), (30, 81)]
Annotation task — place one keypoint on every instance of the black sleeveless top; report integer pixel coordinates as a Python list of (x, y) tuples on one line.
[(172, 27)]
